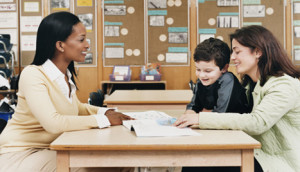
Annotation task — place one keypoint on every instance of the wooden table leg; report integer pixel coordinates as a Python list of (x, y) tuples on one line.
[(62, 161), (247, 160)]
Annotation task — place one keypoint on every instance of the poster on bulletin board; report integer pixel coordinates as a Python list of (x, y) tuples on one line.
[(295, 10), (31, 16), (222, 18), (123, 33), (87, 13), (168, 32), (267, 13)]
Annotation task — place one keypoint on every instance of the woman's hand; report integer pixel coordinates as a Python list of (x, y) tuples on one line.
[(187, 120), (116, 118), (189, 112)]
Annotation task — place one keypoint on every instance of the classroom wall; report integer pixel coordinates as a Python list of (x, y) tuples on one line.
[(177, 77)]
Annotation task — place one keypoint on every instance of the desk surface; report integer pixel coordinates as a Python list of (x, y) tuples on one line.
[(120, 138), (150, 97)]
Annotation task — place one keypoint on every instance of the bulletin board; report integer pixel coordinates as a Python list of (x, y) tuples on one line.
[(9, 23), (31, 15), (217, 19), (123, 32), (295, 10), (268, 13), (86, 11), (168, 32)]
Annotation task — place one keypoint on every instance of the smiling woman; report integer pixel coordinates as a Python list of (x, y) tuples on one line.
[(273, 87), (47, 102)]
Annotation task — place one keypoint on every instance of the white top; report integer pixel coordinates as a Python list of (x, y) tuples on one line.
[(58, 77)]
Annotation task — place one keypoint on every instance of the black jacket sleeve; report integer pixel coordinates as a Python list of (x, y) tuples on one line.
[(226, 82), (231, 95), (195, 104)]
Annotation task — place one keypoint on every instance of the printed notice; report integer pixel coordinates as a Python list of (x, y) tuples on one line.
[(176, 57), (9, 20), (30, 23), (8, 7), (114, 52), (31, 7), (28, 42), (254, 11)]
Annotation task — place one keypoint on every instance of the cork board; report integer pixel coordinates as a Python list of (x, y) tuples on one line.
[(31, 14), (86, 11), (295, 10), (9, 24), (123, 32), (217, 19), (270, 14), (168, 32)]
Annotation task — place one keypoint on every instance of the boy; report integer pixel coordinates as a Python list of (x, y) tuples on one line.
[(216, 89)]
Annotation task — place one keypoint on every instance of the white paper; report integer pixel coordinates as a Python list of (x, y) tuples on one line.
[(149, 77), (8, 7), (121, 70), (119, 78), (148, 115), (155, 124), (234, 21), (297, 32), (31, 7), (28, 42), (206, 36), (114, 52), (30, 23), (13, 35), (9, 20), (6, 1), (254, 11), (297, 55), (296, 8), (176, 57)]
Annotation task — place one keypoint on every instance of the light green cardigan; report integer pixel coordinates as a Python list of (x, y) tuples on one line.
[(274, 122)]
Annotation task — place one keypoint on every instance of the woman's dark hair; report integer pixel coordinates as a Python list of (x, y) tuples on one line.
[(213, 49), (274, 61), (55, 27)]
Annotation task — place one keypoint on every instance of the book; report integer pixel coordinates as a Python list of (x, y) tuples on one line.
[(155, 124)]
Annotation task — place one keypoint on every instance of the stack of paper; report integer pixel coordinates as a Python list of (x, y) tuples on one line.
[(155, 123)]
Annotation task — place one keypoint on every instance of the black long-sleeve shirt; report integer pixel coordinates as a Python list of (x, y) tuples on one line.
[(225, 95)]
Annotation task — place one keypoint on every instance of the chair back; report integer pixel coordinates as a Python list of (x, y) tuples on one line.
[(2, 124), (5, 45)]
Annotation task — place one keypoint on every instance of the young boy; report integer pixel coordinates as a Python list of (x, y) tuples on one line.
[(216, 89)]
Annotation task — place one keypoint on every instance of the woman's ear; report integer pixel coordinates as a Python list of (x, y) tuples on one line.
[(59, 46), (258, 53), (225, 68)]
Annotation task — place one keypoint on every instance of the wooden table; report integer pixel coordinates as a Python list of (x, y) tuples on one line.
[(149, 99), (108, 87), (118, 147)]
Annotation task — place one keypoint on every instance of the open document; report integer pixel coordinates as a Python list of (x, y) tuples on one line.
[(155, 123)]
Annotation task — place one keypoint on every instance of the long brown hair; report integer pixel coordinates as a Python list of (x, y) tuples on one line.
[(274, 61)]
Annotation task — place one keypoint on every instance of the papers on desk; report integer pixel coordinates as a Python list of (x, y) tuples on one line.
[(155, 123)]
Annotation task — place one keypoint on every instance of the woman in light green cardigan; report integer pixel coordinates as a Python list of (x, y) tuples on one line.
[(275, 117)]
